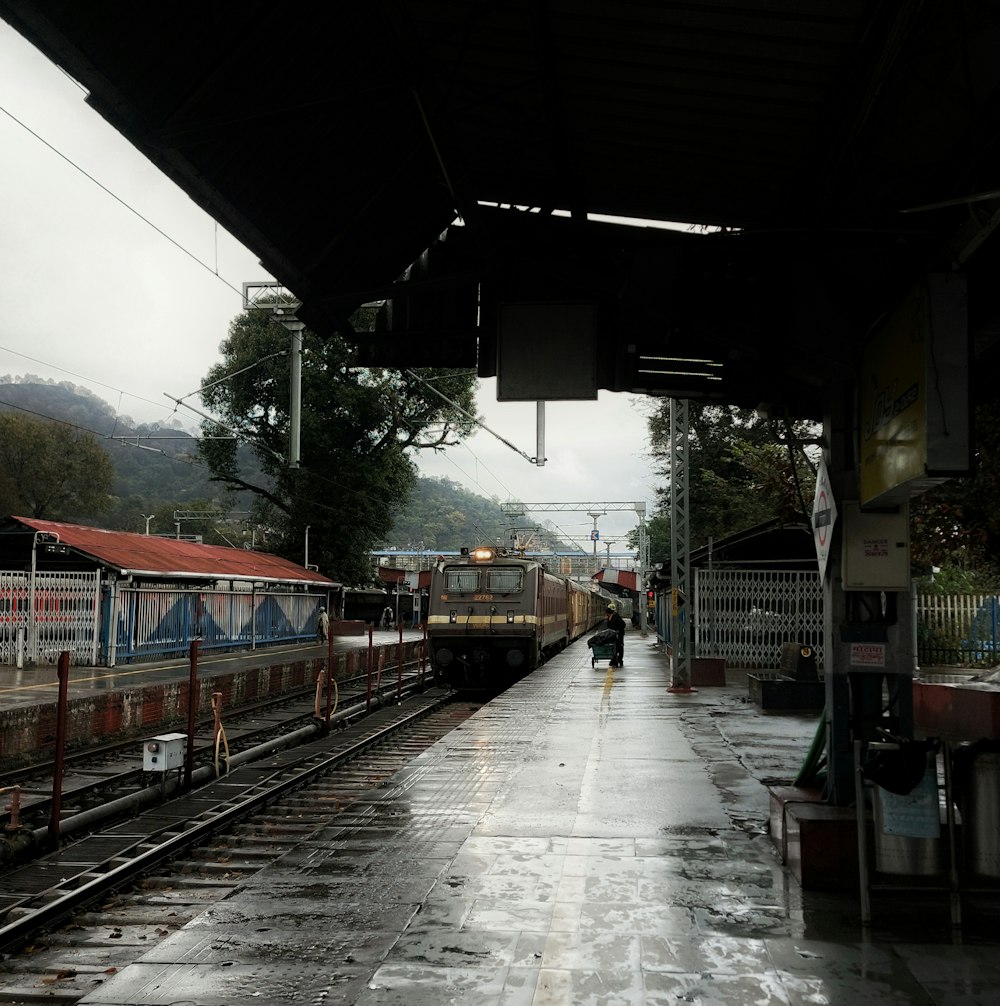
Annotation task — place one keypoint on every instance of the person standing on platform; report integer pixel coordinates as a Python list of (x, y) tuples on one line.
[(387, 618), (322, 626), (617, 624)]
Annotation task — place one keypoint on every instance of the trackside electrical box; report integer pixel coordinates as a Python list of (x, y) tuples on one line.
[(163, 753)]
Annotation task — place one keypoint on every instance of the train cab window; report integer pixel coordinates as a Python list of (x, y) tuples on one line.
[(504, 581), (461, 581)]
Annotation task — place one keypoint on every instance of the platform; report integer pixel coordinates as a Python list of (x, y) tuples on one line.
[(587, 838), (110, 703)]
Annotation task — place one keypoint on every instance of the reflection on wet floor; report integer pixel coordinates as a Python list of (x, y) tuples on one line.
[(570, 845)]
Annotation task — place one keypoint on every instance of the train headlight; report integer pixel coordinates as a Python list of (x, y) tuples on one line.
[(483, 555), (452, 617), (510, 617), (444, 657), (515, 658)]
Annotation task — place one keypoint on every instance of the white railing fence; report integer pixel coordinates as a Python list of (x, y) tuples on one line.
[(957, 630)]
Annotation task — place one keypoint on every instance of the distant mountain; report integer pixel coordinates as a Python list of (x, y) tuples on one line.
[(443, 516), (158, 464), (155, 463)]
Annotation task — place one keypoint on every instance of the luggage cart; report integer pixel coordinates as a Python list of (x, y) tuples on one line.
[(601, 651), (602, 646)]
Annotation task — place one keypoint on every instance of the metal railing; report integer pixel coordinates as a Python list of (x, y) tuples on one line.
[(958, 630), (66, 617)]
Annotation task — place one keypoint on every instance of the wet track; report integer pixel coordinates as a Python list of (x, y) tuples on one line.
[(225, 832), (105, 772)]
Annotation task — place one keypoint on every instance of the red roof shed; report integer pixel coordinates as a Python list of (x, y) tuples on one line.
[(148, 556)]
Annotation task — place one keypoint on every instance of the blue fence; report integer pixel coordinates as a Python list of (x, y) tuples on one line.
[(149, 624)]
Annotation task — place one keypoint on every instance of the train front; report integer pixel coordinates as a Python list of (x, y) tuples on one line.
[(483, 624)]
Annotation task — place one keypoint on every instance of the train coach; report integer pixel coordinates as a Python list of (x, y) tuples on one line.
[(493, 617)]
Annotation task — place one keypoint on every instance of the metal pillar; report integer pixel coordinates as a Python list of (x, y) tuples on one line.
[(294, 392), (593, 535), (680, 544)]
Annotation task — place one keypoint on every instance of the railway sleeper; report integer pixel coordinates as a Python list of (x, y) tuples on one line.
[(191, 873)]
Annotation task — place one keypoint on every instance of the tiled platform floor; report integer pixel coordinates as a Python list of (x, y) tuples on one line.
[(587, 838)]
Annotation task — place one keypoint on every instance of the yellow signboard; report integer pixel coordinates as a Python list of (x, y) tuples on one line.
[(893, 397), (915, 428)]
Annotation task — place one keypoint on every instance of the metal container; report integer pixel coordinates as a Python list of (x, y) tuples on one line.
[(908, 838), (981, 815)]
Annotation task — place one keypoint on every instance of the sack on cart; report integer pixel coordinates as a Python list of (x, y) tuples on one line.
[(603, 638)]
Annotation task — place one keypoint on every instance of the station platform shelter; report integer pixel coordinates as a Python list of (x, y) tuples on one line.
[(588, 837)]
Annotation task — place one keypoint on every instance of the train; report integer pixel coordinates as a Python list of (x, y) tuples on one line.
[(493, 616)]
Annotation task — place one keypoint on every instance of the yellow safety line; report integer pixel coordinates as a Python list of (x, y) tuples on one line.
[(609, 680)]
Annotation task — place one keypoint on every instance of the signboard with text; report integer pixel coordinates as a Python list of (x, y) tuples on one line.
[(824, 516)]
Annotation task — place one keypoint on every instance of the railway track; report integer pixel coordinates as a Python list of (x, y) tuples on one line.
[(103, 902), (114, 771)]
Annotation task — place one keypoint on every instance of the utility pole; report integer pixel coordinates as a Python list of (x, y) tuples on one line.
[(680, 545), (595, 534), (282, 305)]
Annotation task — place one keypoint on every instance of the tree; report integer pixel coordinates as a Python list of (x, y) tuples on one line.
[(51, 471), (359, 426), (741, 472), (955, 527)]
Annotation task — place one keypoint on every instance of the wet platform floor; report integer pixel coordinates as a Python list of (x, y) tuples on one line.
[(587, 838)]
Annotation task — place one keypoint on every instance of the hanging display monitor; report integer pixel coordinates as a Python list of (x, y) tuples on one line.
[(546, 352)]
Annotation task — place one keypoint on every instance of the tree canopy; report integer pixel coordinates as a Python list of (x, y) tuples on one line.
[(51, 471), (359, 427), (743, 470), (955, 527)]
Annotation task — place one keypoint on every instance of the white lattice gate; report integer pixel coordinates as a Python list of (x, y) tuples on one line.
[(745, 615), (66, 614)]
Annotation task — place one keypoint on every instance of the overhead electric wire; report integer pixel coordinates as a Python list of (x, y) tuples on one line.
[(250, 487), (118, 199), (213, 271), (81, 377)]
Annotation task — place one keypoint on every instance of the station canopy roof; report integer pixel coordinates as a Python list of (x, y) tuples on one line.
[(626, 579), (152, 557), (823, 156)]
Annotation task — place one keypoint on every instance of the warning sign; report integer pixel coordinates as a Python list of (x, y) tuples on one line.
[(868, 655), (876, 548)]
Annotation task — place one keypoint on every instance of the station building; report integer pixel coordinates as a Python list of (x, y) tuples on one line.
[(115, 597)]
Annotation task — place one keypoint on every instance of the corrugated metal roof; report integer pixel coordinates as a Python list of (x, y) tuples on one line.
[(171, 558), (807, 127)]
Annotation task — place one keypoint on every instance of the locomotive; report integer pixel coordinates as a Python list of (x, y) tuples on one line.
[(494, 616)]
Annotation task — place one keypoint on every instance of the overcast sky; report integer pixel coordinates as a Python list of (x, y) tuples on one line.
[(94, 295)]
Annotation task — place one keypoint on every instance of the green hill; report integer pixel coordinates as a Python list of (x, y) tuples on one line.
[(157, 469)]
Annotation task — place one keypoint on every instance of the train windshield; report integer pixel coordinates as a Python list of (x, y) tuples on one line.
[(504, 581), (461, 581)]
